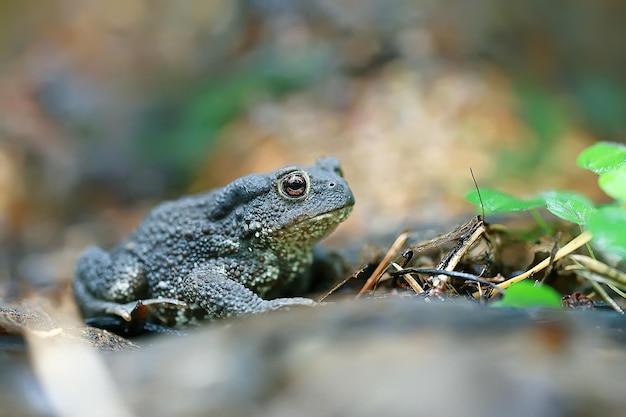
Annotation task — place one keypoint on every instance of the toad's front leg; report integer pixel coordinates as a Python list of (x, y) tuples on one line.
[(220, 296)]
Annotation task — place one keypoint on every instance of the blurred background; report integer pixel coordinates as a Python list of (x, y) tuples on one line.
[(107, 108)]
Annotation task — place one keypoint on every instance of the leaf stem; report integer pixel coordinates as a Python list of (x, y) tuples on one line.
[(540, 221)]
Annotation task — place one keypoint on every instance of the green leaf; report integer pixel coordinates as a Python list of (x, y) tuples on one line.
[(602, 157), (613, 183), (608, 228), (498, 202), (569, 205), (528, 294)]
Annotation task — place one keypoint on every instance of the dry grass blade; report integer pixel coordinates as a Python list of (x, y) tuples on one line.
[(409, 279), (597, 272), (600, 268), (570, 247), (617, 290), (592, 276), (606, 297), (382, 266)]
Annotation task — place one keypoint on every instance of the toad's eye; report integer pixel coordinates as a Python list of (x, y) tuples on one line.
[(294, 185)]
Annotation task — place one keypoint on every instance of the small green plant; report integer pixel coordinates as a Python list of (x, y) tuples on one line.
[(527, 294), (607, 223)]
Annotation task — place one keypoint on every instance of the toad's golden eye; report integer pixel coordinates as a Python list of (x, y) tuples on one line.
[(294, 185)]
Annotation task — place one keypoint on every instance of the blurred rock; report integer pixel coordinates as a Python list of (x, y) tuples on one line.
[(29, 318), (41, 359), (366, 358), (391, 358)]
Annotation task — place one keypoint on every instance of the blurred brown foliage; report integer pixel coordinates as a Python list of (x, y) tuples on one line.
[(109, 107)]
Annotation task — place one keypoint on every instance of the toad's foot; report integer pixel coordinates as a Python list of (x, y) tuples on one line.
[(129, 311), (220, 296), (283, 303)]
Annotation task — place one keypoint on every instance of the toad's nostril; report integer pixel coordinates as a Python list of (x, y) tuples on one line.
[(331, 184)]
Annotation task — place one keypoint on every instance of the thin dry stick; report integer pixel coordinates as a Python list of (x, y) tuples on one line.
[(555, 247), (571, 246), (456, 234), (382, 266), (335, 288), (455, 258)]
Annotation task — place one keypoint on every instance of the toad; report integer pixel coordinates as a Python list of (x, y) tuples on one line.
[(230, 251)]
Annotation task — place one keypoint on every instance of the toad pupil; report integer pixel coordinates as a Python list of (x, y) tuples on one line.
[(294, 185)]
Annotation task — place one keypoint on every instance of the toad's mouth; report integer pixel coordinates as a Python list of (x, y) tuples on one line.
[(332, 216), (316, 227)]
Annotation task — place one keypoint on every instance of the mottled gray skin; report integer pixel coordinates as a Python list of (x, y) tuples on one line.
[(230, 251)]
